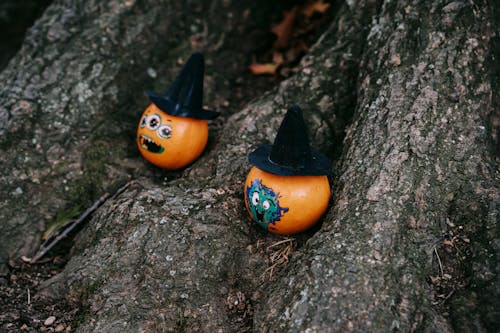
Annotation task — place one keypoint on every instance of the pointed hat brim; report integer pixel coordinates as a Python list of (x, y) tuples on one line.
[(174, 109), (319, 165)]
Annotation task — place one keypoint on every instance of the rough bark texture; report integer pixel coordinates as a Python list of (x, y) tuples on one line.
[(416, 156), (74, 92), (15, 18), (177, 252), (188, 246)]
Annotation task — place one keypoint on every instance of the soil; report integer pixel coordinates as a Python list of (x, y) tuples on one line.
[(450, 258), (21, 310)]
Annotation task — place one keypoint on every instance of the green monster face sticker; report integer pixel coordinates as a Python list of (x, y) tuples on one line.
[(263, 204)]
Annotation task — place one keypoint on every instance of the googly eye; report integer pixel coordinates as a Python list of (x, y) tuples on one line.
[(153, 122), (255, 198), (165, 131), (143, 121), (266, 205)]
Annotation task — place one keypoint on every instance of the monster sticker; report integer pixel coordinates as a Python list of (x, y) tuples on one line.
[(151, 133), (263, 204)]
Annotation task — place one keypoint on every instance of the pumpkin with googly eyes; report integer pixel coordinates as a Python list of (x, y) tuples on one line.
[(287, 191), (168, 141), (173, 130)]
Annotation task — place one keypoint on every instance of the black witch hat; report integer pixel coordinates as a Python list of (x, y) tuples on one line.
[(184, 98), (291, 155)]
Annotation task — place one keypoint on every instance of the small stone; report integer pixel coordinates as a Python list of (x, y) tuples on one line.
[(59, 328), (151, 72), (49, 321), (18, 191)]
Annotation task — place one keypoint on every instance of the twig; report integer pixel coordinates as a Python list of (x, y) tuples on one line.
[(76, 222), (278, 258), (291, 240), (124, 187), (72, 225), (449, 295), (439, 261), (54, 234)]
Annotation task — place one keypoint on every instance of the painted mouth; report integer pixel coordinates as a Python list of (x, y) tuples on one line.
[(260, 216), (148, 144)]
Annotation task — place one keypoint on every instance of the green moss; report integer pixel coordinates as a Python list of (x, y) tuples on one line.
[(62, 217), (95, 156), (88, 187), (82, 293)]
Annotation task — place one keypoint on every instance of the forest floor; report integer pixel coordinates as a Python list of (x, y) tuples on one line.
[(21, 309)]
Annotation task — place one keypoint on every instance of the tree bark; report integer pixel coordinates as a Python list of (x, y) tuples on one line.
[(15, 18), (416, 156), (410, 83), (74, 93)]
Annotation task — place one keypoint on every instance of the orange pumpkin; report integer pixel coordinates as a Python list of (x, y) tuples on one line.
[(168, 141), (285, 204)]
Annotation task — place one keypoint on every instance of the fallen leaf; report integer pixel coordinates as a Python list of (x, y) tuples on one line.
[(259, 69), (284, 29), (62, 218), (278, 58), (318, 6)]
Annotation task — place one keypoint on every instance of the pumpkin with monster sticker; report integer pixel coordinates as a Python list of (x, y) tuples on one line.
[(173, 130), (287, 191)]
